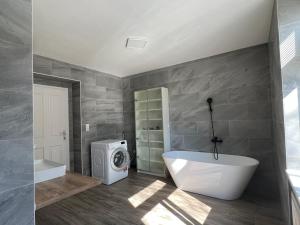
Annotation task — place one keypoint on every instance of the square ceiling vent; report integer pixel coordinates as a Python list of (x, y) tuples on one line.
[(136, 43)]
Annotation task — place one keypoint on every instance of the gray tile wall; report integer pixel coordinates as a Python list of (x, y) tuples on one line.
[(16, 149), (74, 115), (239, 83), (101, 103), (285, 66), (77, 121), (277, 113)]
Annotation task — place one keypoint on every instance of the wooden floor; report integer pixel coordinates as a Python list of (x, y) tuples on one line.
[(143, 199), (52, 191)]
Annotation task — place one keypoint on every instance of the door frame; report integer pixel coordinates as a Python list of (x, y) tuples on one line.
[(67, 142)]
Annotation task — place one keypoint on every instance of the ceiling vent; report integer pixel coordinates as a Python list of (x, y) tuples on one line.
[(136, 43)]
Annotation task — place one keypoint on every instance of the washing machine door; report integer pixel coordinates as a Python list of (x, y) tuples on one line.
[(119, 159)]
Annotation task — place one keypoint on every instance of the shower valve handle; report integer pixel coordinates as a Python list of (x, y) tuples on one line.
[(216, 140)]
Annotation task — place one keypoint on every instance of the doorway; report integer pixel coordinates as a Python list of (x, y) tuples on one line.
[(59, 185), (51, 124)]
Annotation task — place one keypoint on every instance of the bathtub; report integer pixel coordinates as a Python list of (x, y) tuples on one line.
[(200, 173)]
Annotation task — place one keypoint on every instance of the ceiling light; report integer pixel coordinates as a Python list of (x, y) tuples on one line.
[(137, 43)]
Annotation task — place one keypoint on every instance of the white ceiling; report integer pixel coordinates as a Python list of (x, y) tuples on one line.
[(93, 33)]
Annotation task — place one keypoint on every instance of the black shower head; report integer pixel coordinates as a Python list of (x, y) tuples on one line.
[(209, 100)]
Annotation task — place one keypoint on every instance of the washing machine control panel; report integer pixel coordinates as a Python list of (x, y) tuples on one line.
[(118, 144)]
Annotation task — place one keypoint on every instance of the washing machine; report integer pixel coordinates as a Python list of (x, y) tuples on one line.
[(110, 160)]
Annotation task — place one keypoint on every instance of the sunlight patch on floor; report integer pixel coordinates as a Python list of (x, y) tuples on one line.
[(191, 206), (159, 215), (178, 208), (140, 197), (177, 211)]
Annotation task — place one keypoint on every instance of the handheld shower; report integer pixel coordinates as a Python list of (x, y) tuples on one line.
[(214, 139), (209, 101)]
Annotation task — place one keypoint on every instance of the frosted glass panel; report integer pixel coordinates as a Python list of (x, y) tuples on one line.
[(142, 143), (140, 95), (143, 157), (155, 124), (143, 153), (155, 114), (141, 125), (155, 154), (143, 165), (149, 119), (141, 115), (154, 94), (156, 167), (156, 145), (156, 136), (142, 136), (140, 106), (154, 105)]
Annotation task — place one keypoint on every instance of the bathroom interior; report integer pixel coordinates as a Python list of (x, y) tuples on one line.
[(149, 112)]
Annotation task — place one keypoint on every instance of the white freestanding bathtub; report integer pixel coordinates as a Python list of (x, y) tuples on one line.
[(200, 173)]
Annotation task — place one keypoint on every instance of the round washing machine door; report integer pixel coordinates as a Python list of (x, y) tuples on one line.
[(119, 159)]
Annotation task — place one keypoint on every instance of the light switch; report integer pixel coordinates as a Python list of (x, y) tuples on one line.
[(87, 127)]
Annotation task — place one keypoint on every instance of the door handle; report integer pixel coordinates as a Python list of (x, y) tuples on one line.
[(64, 134)]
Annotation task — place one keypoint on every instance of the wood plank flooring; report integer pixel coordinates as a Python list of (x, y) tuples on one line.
[(144, 199), (52, 191)]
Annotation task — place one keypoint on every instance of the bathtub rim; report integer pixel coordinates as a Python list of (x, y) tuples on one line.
[(255, 161)]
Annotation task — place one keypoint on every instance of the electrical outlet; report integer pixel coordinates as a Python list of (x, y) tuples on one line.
[(87, 127)]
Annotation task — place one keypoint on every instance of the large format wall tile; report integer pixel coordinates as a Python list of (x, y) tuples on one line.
[(15, 114), (12, 72), (16, 149), (17, 206), (16, 167), (250, 128), (15, 23), (238, 82)]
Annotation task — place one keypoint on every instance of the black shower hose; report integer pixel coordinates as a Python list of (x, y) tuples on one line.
[(215, 148)]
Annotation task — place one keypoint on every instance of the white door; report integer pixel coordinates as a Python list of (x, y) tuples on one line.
[(38, 123), (51, 124)]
